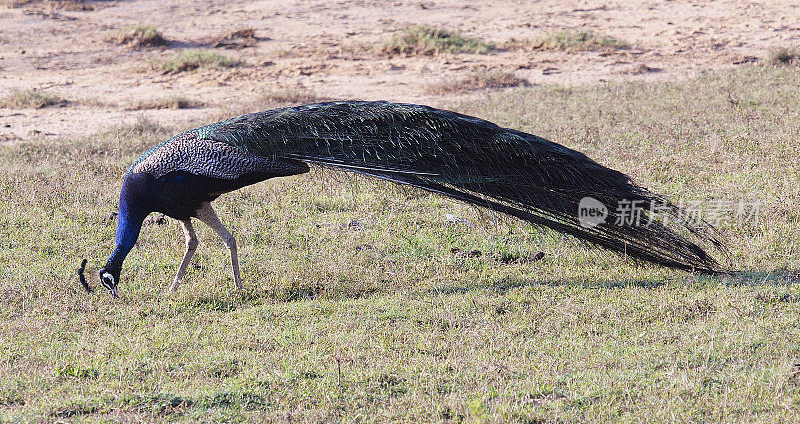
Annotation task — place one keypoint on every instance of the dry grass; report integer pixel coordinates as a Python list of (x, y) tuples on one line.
[(195, 58), (566, 40), (427, 40), (639, 69), (139, 35), (271, 100), (71, 5), (784, 56), (479, 81), (30, 99), (288, 97), (238, 39), (170, 102), (11, 4)]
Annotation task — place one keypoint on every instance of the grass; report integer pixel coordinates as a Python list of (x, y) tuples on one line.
[(196, 58), (271, 100), (784, 56), (238, 39), (30, 99), (428, 40), (51, 4), (139, 35), (479, 81), (357, 310), (290, 96), (14, 3), (169, 102), (639, 69), (577, 41)]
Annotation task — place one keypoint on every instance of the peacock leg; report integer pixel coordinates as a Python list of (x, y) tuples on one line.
[(209, 217), (191, 246)]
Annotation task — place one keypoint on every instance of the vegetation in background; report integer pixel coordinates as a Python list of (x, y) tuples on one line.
[(271, 100), (639, 69), (139, 35), (290, 96), (784, 56), (196, 58), (572, 41), (51, 4), (428, 40), (14, 3), (30, 99), (479, 81), (356, 307), (238, 39), (170, 102)]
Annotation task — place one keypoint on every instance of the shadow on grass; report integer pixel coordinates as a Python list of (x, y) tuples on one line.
[(510, 283), (300, 292), (228, 302), (777, 277)]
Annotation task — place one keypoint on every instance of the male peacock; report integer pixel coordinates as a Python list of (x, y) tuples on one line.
[(459, 156)]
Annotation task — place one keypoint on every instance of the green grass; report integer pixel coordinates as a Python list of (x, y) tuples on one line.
[(138, 35), (356, 309), (30, 99), (195, 58), (428, 40), (579, 41)]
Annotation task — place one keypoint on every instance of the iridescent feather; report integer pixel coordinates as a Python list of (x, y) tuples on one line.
[(477, 162)]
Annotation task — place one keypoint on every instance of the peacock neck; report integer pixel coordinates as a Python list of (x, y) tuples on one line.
[(132, 212)]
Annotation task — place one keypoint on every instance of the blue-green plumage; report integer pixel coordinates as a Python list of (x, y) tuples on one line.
[(459, 156)]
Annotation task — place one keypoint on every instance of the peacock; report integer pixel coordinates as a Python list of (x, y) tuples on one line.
[(455, 155)]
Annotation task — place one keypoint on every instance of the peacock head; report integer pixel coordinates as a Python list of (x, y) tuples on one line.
[(109, 279)]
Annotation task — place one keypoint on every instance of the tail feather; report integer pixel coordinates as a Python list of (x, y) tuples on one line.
[(478, 162)]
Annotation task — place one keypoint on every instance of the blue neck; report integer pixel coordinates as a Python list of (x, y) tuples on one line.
[(131, 214)]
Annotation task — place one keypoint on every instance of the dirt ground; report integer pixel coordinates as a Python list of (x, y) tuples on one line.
[(328, 50)]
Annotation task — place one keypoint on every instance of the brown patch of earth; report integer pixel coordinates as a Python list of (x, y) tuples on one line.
[(330, 50)]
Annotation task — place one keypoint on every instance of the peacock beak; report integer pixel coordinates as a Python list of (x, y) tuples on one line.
[(114, 293)]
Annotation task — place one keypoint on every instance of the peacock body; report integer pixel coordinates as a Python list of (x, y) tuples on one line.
[(456, 155)]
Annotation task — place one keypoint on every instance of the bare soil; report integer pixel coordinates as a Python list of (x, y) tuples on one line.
[(331, 50)]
